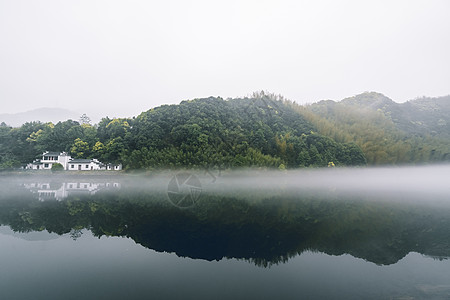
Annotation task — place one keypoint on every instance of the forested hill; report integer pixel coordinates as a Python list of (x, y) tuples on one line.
[(420, 117), (238, 132), (416, 131), (262, 131)]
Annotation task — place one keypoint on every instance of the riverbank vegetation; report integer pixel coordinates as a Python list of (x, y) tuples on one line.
[(264, 130)]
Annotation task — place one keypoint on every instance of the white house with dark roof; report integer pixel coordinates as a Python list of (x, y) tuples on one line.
[(69, 163), (48, 159), (79, 164)]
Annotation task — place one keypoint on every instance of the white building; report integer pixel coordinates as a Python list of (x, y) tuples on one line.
[(85, 165), (114, 167), (48, 159), (69, 163)]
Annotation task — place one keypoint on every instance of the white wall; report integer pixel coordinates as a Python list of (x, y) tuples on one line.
[(64, 160), (84, 166)]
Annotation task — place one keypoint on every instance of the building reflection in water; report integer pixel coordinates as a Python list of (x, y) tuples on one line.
[(60, 190)]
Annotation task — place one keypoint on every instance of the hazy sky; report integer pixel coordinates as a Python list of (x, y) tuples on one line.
[(123, 57)]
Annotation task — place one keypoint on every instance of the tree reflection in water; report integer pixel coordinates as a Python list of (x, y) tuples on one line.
[(262, 228)]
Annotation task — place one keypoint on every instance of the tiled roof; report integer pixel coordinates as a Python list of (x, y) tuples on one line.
[(79, 160), (51, 154)]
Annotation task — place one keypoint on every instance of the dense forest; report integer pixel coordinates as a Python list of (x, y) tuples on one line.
[(261, 131), (264, 130), (414, 132)]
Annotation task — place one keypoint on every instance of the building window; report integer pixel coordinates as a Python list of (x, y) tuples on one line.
[(87, 166), (45, 165), (72, 166)]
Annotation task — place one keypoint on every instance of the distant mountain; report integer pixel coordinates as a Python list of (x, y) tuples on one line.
[(422, 116), (45, 114), (387, 132), (370, 100)]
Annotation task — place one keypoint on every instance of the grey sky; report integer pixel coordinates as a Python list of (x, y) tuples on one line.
[(124, 57)]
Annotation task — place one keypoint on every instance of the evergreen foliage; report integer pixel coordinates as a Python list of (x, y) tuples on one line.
[(57, 167), (264, 130), (383, 129)]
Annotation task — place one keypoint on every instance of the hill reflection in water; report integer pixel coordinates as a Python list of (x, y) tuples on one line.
[(262, 217)]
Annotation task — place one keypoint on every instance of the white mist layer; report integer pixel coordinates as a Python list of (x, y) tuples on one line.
[(424, 183)]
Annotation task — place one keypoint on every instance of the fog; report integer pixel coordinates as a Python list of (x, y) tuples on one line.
[(428, 183), (120, 58), (407, 179), (425, 183)]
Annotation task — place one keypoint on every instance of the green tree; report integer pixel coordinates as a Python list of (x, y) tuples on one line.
[(98, 150), (114, 150), (57, 167), (80, 149)]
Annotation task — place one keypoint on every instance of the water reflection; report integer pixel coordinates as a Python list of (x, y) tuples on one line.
[(53, 190), (263, 226)]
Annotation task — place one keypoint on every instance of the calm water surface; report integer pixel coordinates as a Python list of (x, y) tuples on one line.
[(248, 235)]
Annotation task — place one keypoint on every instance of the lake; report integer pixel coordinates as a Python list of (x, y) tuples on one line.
[(308, 234)]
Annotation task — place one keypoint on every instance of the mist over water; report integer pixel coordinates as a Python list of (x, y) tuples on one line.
[(425, 183), (254, 229), (412, 181)]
